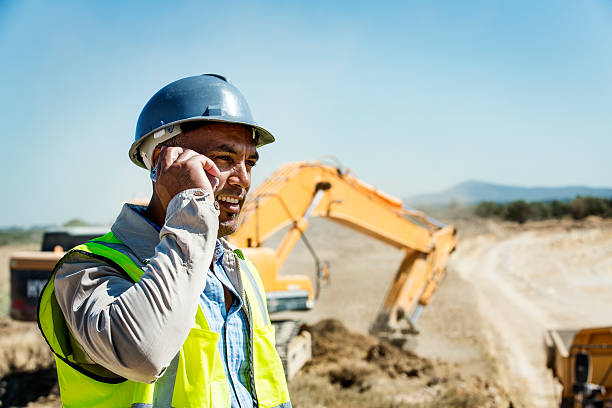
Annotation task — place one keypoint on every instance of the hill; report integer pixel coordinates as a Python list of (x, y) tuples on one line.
[(473, 192)]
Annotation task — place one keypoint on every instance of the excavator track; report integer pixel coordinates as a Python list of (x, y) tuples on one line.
[(293, 344)]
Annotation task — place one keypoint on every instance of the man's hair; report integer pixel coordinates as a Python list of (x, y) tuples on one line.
[(186, 127)]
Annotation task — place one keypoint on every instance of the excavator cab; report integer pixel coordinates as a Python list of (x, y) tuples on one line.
[(286, 292)]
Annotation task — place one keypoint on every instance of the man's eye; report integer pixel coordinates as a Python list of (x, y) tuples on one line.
[(224, 158), (251, 163)]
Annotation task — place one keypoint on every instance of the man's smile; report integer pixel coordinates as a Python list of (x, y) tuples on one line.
[(229, 203)]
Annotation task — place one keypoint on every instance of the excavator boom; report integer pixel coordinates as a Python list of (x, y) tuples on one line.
[(298, 191)]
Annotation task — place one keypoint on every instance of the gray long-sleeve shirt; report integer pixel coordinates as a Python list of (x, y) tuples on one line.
[(135, 330)]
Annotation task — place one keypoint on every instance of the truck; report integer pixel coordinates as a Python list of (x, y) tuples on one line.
[(581, 359), (30, 270)]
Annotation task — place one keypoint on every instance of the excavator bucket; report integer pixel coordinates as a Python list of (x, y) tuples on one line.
[(413, 285)]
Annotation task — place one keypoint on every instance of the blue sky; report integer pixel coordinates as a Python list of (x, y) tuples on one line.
[(413, 96)]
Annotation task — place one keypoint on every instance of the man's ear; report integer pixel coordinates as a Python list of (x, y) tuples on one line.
[(155, 156)]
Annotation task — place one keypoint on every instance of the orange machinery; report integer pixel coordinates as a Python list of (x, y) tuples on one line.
[(301, 190), (289, 197), (582, 362)]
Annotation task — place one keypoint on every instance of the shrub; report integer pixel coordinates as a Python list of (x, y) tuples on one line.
[(521, 211), (595, 206), (518, 211), (488, 209), (578, 208), (558, 209), (540, 211)]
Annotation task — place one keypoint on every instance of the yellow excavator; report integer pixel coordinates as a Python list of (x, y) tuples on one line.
[(288, 198), (298, 191)]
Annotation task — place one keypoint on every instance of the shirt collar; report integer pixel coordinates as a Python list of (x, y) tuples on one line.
[(141, 209), (136, 231), (219, 251)]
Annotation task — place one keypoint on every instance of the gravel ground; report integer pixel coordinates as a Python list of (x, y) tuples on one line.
[(481, 334)]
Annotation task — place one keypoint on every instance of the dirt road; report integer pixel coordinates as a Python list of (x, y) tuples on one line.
[(547, 275), (505, 285)]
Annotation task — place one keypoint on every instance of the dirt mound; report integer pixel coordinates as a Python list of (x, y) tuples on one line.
[(37, 388), (356, 370), (27, 369)]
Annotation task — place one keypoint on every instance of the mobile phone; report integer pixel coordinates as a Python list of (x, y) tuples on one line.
[(214, 181)]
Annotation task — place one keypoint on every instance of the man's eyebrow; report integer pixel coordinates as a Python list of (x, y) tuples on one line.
[(225, 148), (229, 149)]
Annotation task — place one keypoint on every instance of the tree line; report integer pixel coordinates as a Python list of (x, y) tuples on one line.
[(521, 211)]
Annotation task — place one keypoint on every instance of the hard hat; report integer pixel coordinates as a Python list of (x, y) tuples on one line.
[(208, 97)]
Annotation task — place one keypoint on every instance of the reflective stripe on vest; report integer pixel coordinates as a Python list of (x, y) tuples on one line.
[(195, 378)]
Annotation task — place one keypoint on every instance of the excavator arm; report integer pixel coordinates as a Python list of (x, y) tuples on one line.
[(298, 191)]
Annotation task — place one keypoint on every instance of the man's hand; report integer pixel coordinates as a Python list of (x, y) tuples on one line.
[(180, 169)]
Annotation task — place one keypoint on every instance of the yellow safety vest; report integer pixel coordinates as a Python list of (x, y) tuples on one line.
[(195, 379)]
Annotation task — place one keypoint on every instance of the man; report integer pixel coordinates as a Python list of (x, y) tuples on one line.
[(161, 311)]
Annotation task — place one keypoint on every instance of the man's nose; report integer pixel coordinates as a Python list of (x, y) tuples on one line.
[(240, 175)]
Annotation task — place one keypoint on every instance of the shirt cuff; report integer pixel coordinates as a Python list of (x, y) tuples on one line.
[(193, 222), (182, 199)]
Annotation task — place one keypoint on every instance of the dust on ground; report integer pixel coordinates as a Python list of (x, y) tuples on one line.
[(480, 338)]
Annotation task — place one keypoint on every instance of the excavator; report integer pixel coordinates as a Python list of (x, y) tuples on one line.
[(298, 191), (287, 200)]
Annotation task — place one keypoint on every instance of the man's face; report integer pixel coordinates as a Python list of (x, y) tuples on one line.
[(232, 148)]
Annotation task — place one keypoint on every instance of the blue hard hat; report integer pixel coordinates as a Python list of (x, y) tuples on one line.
[(208, 97)]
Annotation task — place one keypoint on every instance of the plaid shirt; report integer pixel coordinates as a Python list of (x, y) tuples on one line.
[(233, 329)]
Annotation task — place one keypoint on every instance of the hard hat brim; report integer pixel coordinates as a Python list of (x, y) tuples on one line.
[(263, 136)]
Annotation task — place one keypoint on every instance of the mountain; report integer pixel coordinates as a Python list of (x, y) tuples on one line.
[(473, 192)]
